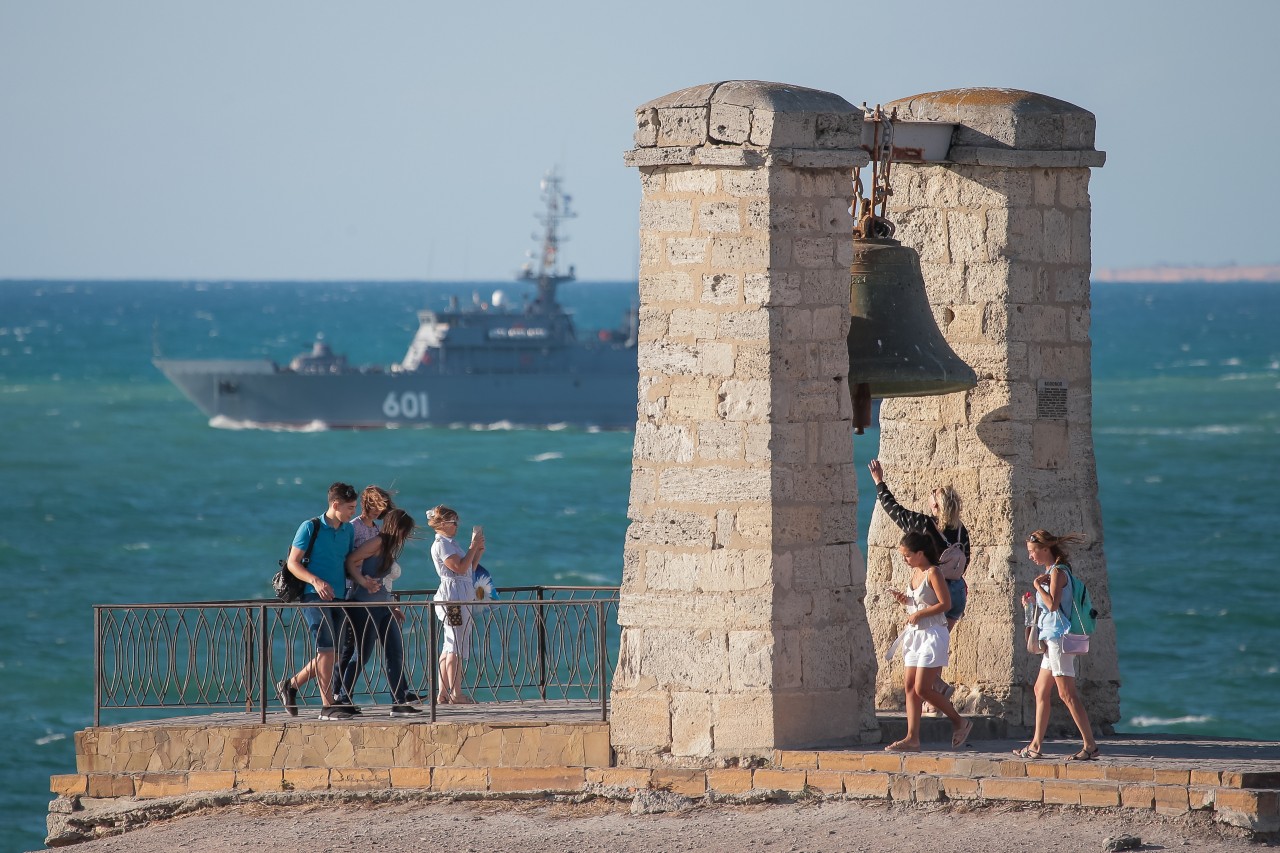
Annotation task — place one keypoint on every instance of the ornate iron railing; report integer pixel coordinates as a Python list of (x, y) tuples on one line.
[(535, 643)]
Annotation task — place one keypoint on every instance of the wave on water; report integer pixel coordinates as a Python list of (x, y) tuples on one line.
[(546, 457), (50, 738), (1196, 431), (1146, 722), (223, 422), (582, 579), (511, 426)]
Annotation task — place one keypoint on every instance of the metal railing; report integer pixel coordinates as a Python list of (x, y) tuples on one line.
[(534, 643)]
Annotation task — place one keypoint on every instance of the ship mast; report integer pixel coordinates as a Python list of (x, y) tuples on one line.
[(546, 274)]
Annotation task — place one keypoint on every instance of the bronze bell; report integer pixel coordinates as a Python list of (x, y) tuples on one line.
[(895, 347)]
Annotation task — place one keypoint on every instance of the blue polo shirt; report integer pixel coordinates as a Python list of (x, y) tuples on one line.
[(329, 556)]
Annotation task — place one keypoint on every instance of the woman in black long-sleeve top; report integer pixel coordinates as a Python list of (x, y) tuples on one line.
[(944, 528)]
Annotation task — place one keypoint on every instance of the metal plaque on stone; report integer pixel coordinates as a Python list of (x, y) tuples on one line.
[(1051, 399)]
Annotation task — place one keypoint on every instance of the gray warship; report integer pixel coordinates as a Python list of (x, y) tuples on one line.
[(483, 363)]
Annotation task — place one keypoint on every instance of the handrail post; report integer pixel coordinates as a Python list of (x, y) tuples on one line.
[(97, 665), (601, 657), (542, 645), (264, 656), (250, 661), (431, 658)]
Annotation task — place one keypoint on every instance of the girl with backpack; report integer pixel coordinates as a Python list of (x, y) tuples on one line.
[(1053, 591)]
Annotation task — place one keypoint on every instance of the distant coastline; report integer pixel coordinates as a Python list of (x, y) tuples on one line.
[(1173, 275)]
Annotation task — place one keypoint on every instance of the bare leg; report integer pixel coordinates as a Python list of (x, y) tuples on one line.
[(935, 698), (305, 674), (324, 675), (450, 677), (1071, 698), (910, 688), (1044, 697), (939, 685)]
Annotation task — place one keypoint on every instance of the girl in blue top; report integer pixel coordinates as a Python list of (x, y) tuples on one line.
[(1053, 590)]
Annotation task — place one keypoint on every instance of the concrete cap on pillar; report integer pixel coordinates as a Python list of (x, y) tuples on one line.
[(1004, 118), (749, 113)]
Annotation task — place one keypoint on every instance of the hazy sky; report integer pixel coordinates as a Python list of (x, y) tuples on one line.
[(274, 139)]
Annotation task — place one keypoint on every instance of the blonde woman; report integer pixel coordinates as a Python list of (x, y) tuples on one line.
[(945, 528), (456, 569), (1054, 593), (375, 503), (369, 566)]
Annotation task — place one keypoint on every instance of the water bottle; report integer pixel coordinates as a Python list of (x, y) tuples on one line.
[(1029, 609)]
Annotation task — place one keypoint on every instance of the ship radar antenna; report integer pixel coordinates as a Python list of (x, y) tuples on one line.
[(544, 268)]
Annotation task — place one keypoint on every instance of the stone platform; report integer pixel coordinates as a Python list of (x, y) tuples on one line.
[(562, 748)]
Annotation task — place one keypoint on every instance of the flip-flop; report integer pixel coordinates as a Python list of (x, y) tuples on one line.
[(1028, 752), (1085, 755), (899, 746), (961, 734)]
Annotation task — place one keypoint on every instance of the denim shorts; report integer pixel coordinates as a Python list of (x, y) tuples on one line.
[(324, 622), (959, 598)]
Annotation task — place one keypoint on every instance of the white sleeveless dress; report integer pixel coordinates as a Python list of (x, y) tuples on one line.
[(928, 643)]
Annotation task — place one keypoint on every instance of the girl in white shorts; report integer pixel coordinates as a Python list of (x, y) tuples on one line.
[(1052, 588)]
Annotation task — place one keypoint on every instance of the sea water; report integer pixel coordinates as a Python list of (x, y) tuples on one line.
[(115, 489)]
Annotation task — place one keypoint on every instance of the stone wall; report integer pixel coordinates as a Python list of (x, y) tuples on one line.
[(743, 626), (1004, 239)]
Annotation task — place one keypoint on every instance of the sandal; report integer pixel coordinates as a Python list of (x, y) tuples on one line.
[(961, 734), (1085, 755), (901, 746), (1028, 752)]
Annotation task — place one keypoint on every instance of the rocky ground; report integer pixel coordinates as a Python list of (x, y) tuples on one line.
[(654, 825)]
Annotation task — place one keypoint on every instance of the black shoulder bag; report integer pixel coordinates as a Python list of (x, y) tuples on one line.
[(288, 586)]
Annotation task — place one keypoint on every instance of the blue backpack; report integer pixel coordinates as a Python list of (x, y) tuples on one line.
[(1084, 616)]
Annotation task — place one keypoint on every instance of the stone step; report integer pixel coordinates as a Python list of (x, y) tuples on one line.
[(938, 729)]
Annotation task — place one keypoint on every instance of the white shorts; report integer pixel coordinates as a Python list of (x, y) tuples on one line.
[(1056, 662)]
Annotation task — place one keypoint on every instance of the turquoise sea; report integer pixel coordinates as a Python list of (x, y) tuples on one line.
[(113, 488)]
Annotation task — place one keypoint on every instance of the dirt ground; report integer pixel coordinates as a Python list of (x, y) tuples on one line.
[(603, 825)]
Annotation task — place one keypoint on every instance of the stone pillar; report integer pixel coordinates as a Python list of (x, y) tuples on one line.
[(743, 624), (1003, 235)]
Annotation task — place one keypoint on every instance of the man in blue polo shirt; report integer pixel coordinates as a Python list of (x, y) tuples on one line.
[(326, 579)]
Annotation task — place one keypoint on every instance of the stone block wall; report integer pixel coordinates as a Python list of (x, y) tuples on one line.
[(1004, 239), (743, 626)]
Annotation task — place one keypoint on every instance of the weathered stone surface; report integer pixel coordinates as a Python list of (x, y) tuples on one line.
[(743, 444), (1010, 236), (1003, 118)]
